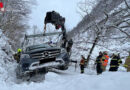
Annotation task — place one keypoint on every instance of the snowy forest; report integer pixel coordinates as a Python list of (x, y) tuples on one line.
[(65, 44)]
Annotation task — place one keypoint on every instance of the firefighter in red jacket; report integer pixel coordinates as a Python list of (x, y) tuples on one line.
[(82, 63)]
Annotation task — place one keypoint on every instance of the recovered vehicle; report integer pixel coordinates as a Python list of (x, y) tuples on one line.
[(40, 58)]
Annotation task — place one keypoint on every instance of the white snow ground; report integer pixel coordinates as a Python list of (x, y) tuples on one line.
[(75, 81)]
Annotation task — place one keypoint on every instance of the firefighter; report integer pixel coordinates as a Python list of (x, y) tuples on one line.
[(127, 63), (82, 63), (17, 55), (104, 60), (115, 62), (98, 63), (69, 45)]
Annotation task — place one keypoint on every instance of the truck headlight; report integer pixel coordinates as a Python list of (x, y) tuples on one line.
[(24, 56)]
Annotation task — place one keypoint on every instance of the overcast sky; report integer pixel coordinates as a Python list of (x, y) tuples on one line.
[(67, 8)]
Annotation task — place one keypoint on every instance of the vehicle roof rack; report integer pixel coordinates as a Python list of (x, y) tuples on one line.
[(42, 35)]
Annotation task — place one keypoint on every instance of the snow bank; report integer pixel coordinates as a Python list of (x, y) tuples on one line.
[(7, 63), (106, 81)]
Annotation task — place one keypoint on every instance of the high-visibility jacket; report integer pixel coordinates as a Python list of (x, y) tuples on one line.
[(105, 60), (82, 62), (127, 62)]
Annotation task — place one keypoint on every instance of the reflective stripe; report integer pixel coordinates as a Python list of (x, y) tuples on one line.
[(114, 66), (82, 63), (114, 60), (125, 65), (120, 60), (105, 57)]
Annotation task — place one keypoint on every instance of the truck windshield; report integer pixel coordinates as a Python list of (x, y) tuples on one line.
[(36, 47)]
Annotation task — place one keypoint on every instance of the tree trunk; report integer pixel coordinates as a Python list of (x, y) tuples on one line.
[(91, 50)]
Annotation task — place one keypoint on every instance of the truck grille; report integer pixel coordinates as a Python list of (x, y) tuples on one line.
[(45, 54)]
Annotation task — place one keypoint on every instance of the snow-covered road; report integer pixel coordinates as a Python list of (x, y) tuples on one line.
[(71, 80)]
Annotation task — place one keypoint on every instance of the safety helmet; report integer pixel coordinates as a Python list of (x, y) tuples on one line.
[(100, 53), (116, 54), (19, 50), (105, 52)]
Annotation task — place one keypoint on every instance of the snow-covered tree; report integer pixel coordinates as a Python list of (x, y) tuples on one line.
[(14, 19)]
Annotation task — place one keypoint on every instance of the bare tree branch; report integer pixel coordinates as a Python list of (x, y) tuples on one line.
[(107, 16), (126, 26), (127, 4), (121, 30)]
